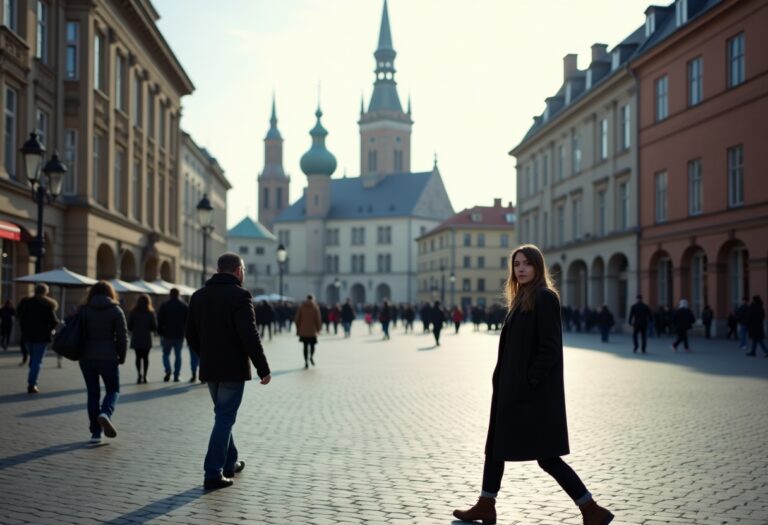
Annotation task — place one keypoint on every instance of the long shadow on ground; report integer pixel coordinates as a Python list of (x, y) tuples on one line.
[(12, 461), (158, 508)]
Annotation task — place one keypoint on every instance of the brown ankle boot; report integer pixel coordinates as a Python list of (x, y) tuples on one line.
[(484, 510), (594, 514)]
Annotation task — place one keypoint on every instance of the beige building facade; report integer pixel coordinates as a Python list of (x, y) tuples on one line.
[(464, 260), (99, 84), (577, 181), (201, 175)]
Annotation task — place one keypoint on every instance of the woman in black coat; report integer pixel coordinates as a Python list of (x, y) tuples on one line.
[(755, 325), (528, 419), (142, 323)]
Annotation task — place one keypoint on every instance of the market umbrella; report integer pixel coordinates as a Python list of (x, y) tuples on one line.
[(150, 288), (124, 287), (183, 289), (60, 277)]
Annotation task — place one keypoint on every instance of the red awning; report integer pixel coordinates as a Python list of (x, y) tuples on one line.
[(8, 230)]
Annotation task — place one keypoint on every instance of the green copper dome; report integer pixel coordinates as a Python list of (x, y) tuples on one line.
[(318, 160)]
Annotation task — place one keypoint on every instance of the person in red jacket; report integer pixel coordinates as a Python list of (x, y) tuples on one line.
[(457, 317)]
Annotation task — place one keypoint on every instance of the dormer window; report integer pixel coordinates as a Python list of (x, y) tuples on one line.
[(650, 24), (615, 60), (510, 218), (477, 217), (568, 92), (681, 12)]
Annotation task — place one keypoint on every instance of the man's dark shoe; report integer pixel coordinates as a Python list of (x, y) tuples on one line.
[(167, 377), (194, 378), (239, 466), (176, 379), (218, 483), (32, 389), (106, 425)]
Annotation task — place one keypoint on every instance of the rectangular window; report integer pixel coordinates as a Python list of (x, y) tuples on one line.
[(279, 198), (576, 149), (41, 125), (545, 221), (467, 261), (119, 181), (11, 136), (72, 51), (695, 188), (681, 12), (481, 262), (535, 233), (136, 99), (535, 174), (466, 285), (136, 185), (149, 198), (11, 14), (151, 115), (601, 213), (504, 240), (481, 239), (120, 82), (576, 219), (481, 285), (604, 139), (398, 161), (560, 162), (736, 69), (623, 206), (96, 174), (70, 161), (625, 127), (695, 86), (736, 176), (662, 96), (561, 225), (545, 170), (661, 196), (243, 250), (41, 43), (161, 125), (503, 263), (467, 239), (98, 62), (372, 162), (161, 204)]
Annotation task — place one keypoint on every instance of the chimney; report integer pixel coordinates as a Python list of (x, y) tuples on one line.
[(599, 52), (497, 203), (569, 65), (509, 205)]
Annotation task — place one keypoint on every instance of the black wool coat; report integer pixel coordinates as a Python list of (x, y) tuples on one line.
[(172, 319), (142, 325), (221, 329), (528, 419)]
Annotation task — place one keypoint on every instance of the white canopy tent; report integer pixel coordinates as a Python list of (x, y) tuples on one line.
[(150, 288), (60, 277), (183, 289)]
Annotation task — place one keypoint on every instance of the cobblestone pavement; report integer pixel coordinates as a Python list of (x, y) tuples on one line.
[(393, 432)]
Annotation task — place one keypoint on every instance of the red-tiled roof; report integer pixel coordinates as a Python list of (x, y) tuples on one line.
[(480, 217)]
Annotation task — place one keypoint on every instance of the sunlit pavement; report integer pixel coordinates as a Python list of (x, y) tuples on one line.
[(393, 432)]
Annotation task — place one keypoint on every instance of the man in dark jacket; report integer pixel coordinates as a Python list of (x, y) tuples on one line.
[(171, 323), (221, 329), (639, 317), (347, 316), (742, 317), (37, 316)]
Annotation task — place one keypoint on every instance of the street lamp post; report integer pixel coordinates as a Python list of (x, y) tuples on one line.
[(442, 283), (281, 255), (45, 187), (205, 220), (452, 279)]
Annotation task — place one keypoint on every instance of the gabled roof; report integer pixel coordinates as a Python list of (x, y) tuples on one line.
[(485, 217), (395, 195), (250, 229)]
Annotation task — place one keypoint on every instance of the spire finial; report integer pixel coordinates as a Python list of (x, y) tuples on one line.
[(435, 166), (409, 103), (362, 103), (385, 35), (273, 118)]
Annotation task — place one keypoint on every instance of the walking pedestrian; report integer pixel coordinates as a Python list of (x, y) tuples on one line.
[(105, 338), (639, 317), (605, 322), (707, 315), (171, 322), (528, 420), (425, 313), (408, 316), (308, 325), (385, 317), (347, 316), (221, 329), (755, 327), (732, 327), (265, 318), (457, 317), (742, 318), (7, 313), (142, 324), (334, 316), (37, 318), (437, 320), (682, 320)]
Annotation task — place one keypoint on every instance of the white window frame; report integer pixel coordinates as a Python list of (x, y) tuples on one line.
[(98, 61), (72, 53), (10, 129), (120, 63), (41, 31), (736, 60), (604, 139), (695, 81), (661, 195), (11, 14), (681, 12), (98, 140), (695, 187), (626, 129), (41, 125), (662, 98)]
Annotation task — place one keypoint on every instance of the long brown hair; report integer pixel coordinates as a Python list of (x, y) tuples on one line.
[(101, 288), (524, 296), (143, 304)]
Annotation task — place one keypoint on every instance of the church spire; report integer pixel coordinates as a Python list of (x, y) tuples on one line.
[(273, 133), (384, 95), (385, 35)]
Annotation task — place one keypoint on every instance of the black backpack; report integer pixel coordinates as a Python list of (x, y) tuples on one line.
[(69, 341)]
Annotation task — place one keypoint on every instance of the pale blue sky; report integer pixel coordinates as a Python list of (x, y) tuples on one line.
[(477, 73)]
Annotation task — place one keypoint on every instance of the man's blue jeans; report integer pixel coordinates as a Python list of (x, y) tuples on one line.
[(93, 369), (36, 353), (194, 361), (222, 453), (176, 345)]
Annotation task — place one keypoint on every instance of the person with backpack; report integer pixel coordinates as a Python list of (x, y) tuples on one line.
[(142, 323), (37, 316), (104, 345), (171, 324)]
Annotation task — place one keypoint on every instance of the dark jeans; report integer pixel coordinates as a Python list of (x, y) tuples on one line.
[(436, 331), (109, 373), (707, 330), (222, 453), (642, 330), (309, 351), (194, 361), (5, 335), (456, 325), (493, 471), (682, 337), (347, 325), (175, 345), (760, 342), (604, 331), (36, 354), (385, 328), (142, 360)]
